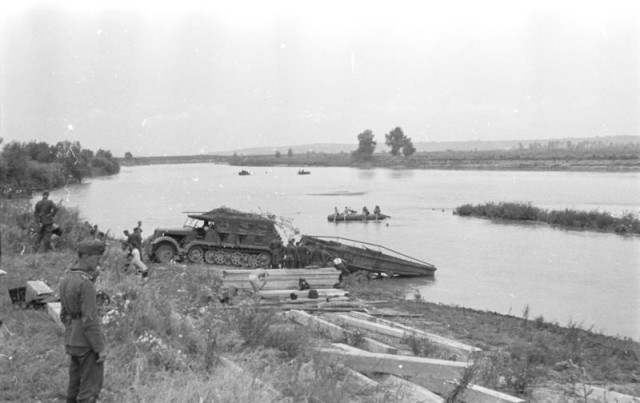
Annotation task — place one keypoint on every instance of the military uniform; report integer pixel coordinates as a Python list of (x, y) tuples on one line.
[(83, 339), (44, 212), (290, 255)]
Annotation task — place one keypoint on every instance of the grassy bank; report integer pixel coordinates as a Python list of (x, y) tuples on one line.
[(598, 159), (571, 219), (171, 340)]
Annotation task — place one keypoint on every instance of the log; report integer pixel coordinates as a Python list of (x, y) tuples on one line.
[(449, 344), (597, 394), (337, 333), (279, 285), (322, 293), (36, 291), (285, 272), (428, 372), (407, 391)]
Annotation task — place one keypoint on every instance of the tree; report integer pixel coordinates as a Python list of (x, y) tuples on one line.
[(407, 148), (128, 155), (395, 139), (278, 155), (366, 145), (290, 153)]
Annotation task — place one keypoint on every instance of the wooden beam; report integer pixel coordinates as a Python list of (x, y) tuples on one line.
[(428, 372), (282, 272), (407, 391), (480, 394), (36, 290), (279, 285), (597, 394), (337, 333), (322, 292), (449, 344)]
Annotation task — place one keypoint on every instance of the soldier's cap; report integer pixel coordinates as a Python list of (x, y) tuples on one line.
[(92, 247)]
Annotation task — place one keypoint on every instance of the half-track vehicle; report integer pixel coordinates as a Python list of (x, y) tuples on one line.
[(221, 236)]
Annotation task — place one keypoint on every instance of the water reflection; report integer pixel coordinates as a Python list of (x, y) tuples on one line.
[(401, 173), (366, 173)]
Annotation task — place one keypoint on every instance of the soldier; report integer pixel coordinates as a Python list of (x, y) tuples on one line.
[(290, 255), (136, 239), (83, 340), (276, 253), (44, 212), (303, 255)]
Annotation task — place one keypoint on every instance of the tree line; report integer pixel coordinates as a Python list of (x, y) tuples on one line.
[(39, 165), (396, 140)]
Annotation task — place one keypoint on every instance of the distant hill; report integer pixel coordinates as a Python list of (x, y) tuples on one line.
[(477, 145)]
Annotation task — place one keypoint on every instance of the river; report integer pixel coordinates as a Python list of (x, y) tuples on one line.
[(584, 278)]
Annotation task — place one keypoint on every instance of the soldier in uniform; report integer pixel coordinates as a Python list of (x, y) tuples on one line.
[(276, 253), (136, 239), (44, 212), (303, 255), (83, 340), (290, 255)]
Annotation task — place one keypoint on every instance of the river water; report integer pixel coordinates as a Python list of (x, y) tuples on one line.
[(584, 278)]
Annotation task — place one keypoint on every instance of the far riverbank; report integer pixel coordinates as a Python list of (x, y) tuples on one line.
[(508, 160)]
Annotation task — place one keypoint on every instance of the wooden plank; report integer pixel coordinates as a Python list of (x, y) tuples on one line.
[(407, 391), (322, 292), (279, 285), (428, 372), (283, 272), (337, 333), (36, 290), (480, 394), (597, 394), (53, 309), (449, 344)]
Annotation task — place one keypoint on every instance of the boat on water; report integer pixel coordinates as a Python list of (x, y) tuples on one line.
[(356, 217), (371, 258), (244, 172), (303, 172)]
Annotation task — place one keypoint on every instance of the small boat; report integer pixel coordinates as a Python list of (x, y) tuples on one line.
[(303, 172), (244, 172), (356, 217), (371, 258)]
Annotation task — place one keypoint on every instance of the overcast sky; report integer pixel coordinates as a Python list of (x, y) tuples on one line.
[(185, 77)]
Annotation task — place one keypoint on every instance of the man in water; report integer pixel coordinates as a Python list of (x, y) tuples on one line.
[(44, 212), (83, 339)]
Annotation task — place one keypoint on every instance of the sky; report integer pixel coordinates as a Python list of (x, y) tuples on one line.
[(190, 77)]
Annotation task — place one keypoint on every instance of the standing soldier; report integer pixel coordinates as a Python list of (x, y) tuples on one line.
[(276, 253), (44, 212), (136, 239), (290, 255), (83, 339), (303, 255)]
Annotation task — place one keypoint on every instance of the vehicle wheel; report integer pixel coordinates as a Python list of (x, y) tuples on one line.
[(236, 259), (195, 254), (220, 257), (264, 260), (164, 253), (209, 256), (253, 261)]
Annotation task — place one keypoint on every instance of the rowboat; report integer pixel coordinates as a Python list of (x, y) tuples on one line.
[(356, 217), (371, 258)]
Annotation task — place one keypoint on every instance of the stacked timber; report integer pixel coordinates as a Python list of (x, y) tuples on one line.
[(284, 279), (414, 378)]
